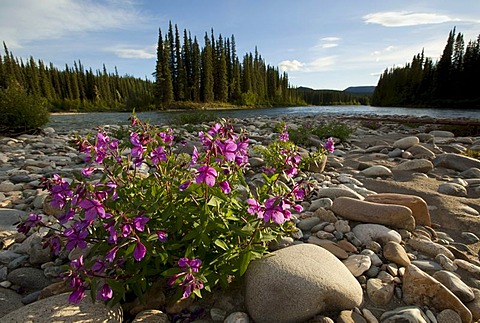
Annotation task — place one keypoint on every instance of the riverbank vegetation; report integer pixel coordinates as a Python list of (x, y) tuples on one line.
[(449, 83)]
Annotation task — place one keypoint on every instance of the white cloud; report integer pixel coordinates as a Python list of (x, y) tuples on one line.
[(321, 64), (331, 45), (134, 53), (405, 18), (317, 65), (332, 39), (289, 66), (54, 19), (326, 42)]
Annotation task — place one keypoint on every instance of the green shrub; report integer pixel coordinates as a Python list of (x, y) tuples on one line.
[(20, 111), (193, 117)]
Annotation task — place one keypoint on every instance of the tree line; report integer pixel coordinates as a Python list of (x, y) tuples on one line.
[(213, 72), (450, 82), (332, 97), (75, 88)]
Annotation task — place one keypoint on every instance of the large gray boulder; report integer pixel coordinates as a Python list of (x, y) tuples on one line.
[(58, 309), (296, 283)]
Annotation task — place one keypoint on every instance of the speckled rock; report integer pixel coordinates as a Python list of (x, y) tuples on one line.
[(319, 281), (448, 316), (9, 301)]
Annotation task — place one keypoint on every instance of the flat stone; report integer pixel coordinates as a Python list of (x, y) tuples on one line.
[(415, 165), (379, 292), (377, 171), (374, 258), (335, 192), (30, 278), (421, 289), (319, 281), (393, 251), (474, 306), (416, 204), (471, 173), (308, 223), (428, 266), (455, 285), (406, 142), (429, 247), (410, 314), (419, 151), (236, 317), (357, 264), (318, 203), (329, 245), (448, 316), (375, 232), (9, 218), (349, 316), (442, 133), (58, 309), (452, 189), (397, 216), (471, 268), (456, 162)]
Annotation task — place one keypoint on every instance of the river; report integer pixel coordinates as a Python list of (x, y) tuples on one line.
[(65, 122)]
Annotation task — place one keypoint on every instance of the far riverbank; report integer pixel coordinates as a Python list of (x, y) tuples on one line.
[(69, 121)]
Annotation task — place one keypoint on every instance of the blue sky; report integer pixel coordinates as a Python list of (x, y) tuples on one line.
[(321, 44)]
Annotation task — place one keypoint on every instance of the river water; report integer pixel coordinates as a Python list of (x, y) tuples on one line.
[(65, 122)]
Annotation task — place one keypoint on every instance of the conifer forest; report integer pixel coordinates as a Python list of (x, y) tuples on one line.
[(452, 82)]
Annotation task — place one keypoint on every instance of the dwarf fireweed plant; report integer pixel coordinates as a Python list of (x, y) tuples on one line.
[(142, 211)]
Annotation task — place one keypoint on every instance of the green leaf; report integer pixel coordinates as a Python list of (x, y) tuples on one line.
[(197, 292), (215, 201), (222, 245), (244, 261)]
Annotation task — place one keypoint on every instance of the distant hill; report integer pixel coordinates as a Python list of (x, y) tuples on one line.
[(366, 90)]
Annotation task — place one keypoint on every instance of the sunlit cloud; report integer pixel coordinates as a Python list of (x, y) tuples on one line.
[(290, 66), (53, 19), (405, 18)]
